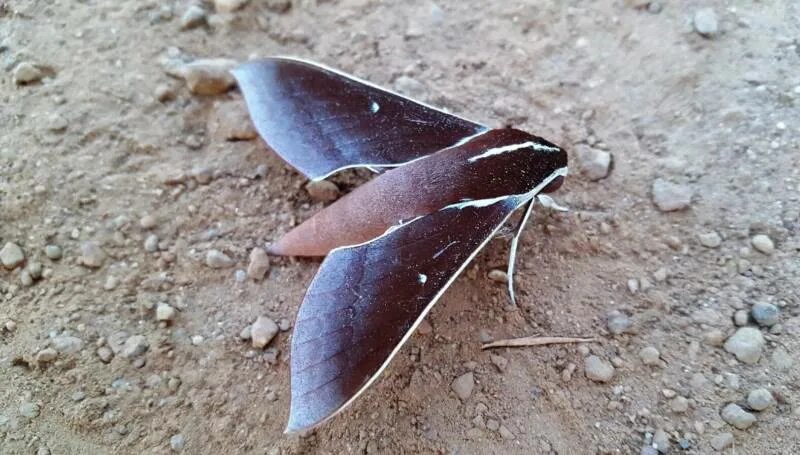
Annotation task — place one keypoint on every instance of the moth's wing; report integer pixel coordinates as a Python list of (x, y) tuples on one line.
[(367, 299), (320, 120)]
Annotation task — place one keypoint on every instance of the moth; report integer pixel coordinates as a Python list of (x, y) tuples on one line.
[(445, 187)]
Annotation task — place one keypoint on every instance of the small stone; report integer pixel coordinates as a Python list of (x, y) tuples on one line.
[(760, 399), (92, 255), (239, 276), (105, 354), (148, 222), (10, 326), (740, 318), (259, 264), (29, 410), (245, 333), (46, 355), (598, 369), (661, 441), (134, 346), (425, 327), (164, 93), (177, 442), (151, 243), (734, 415), (11, 255), (721, 441), (229, 6), (263, 331), (231, 122), (710, 240), (463, 386), (746, 344), (35, 270), (27, 73), (763, 244), (322, 191), (505, 433), (165, 312), (209, 76), (498, 276), (218, 260), (197, 340), (782, 360), (53, 252), (648, 450), (195, 16), (594, 164), (679, 404), (669, 197), (111, 283), (617, 322), (633, 285), (705, 22), (26, 279), (78, 396), (765, 314), (203, 175), (500, 362), (67, 344), (411, 87), (650, 356), (715, 337)]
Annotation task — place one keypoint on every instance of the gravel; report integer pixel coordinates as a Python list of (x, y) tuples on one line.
[(765, 314), (177, 442), (710, 240), (92, 255), (229, 6), (721, 441), (148, 222), (760, 399), (194, 16), (165, 312), (705, 22), (209, 76), (27, 73), (594, 164), (669, 197), (46, 355), (67, 344), (598, 369), (53, 252), (763, 244), (746, 344), (218, 260), (618, 322), (11, 255), (259, 264), (737, 417), (29, 410), (661, 441), (498, 276), (463, 386), (151, 243), (263, 331), (134, 346), (650, 356)]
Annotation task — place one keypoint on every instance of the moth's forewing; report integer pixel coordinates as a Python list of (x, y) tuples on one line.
[(366, 300), (320, 120)]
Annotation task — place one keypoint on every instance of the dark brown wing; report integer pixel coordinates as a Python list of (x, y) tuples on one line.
[(320, 120), (367, 299)]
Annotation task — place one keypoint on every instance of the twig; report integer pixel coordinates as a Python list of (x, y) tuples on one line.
[(535, 341)]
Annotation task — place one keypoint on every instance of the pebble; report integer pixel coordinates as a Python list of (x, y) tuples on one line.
[(46, 355), (734, 415), (11, 255), (27, 73), (740, 318), (35, 270), (594, 164), (463, 386), (148, 222), (218, 260), (721, 441), (134, 346), (259, 264), (164, 93), (151, 243), (710, 240), (705, 22), (669, 197), (679, 404), (29, 410), (111, 283), (177, 442), (245, 333), (760, 399), (498, 276), (231, 122), (209, 76), (763, 244), (25, 278), (505, 433), (11, 326), (194, 16), (165, 312), (781, 359), (92, 255), (617, 322), (67, 344), (650, 356), (765, 314), (598, 369), (746, 344), (263, 331), (239, 276), (648, 450), (105, 354), (197, 340), (661, 441), (500, 362), (323, 191), (229, 6), (53, 252), (411, 87)]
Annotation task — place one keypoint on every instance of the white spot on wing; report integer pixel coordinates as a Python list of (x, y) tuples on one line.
[(511, 148), (423, 278), (374, 107)]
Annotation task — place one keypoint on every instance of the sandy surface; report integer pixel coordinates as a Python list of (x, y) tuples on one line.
[(88, 150)]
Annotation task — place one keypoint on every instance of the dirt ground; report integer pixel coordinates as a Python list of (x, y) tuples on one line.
[(104, 147)]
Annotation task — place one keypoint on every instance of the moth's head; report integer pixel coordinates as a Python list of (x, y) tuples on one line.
[(554, 159)]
